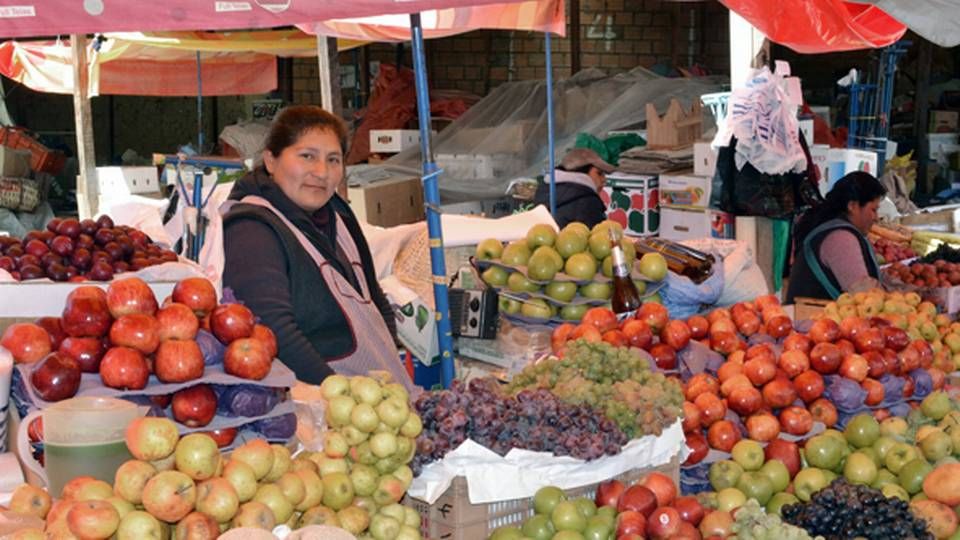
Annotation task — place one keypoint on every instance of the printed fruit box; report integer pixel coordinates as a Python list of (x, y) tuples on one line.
[(685, 190), (633, 201)]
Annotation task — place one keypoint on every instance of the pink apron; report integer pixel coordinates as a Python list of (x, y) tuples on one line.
[(375, 349)]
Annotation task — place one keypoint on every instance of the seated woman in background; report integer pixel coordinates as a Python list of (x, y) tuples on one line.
[(832, 254)]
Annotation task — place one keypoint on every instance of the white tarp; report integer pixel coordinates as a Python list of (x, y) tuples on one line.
[(935, 20)]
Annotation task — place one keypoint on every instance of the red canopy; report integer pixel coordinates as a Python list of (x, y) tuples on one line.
[(51, 17), (818, 26)]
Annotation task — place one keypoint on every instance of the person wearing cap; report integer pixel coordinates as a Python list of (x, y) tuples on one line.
[(580, 176)]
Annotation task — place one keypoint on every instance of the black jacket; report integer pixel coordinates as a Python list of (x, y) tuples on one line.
[(272, 274), (575, 202), (803, 276)]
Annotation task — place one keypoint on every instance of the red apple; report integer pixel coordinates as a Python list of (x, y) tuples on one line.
[(687, 531), (664, 523), (925, 352), (225, 436), (881, 414), (55, 377), (723, 325), (195, 406), (247, 358), (36, 248), (230, 322), (131, 296), (895, 338), (724, 342), (160, 400), (760, 370), (729, 369), (763, 427), (124, 368), (87, 351), (27, 342), (613, 337), (691, 417), (846, 347), (851, 326), (824, 331), (699, 384), (938, 376), (779, 326), (690, 509), (875, 392), (794, 363), (796, 420), (177, 321), (698, 448), (854, 367), (662, 487), (747, 323), (869, 339), (609, 492), (786, 452), (137, 331), (824, 411), (676, 334), (178, 360), (69, 227), (737, 381), (779, 393), (745, 400), (54, 330), (638, 498), (699, 326), (908, 387), (86, 313), (722, 435), (631, 523), (711, 408), (825, 358), (664, 355), (655, 315), (877, 366), (638, 333), (809, 385), (197, 294)]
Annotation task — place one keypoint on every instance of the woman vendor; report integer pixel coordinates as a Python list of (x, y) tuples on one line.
[(296, 256), (832, 254)]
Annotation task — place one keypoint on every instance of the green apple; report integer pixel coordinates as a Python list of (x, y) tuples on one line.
[(756, 485), (606, 267), (518, 282), (562, 291), (597, 291), (507, 532), (552, 253), (607, 224), (608, 512), (508, 305), (495, 276), (724, 474), (541, 235), (654, 298), (894, 426), (899, 455), (542, 267), (489, 249), (779, 500), (546, 498), (807, 482), (862, 430), (860, 469), (570, 242), (883, 478), (536, 308), (538, 527), (831, 476), (599, 245), (954, 433), (516, 253), (748, 454), (730, 498), (653, 266), (778, 474), (573, 312), (581, 266), (894, 490), (912, 474), (640, 285), (586, 506), (598, 528), (936, 405), (577, 227), (629, 251), (824, 451), (936, 446), (882, 445), (567, 517)]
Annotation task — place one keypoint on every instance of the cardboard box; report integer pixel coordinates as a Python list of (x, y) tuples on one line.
[(944, 121), (478, 166), (118, 181), (14, 163), (633, 201), (704, 159), (941, 145), (819, 154), (685, 190), (417, 331), (935, 218), (807, 308), (32, 299), (391, 141), (947, 298), (806, 128), (841, 161), (689, 223), (503, 139), (823, 111), (389, 202)]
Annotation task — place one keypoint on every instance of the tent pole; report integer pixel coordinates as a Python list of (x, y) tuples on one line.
[(323, 59), (88, 188), (550, 141), (431, 196), (199, 106)]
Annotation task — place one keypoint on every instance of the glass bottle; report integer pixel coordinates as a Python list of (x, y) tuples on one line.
[(625, 296)]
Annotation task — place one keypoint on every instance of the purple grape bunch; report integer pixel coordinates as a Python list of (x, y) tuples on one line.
[(532, 419)]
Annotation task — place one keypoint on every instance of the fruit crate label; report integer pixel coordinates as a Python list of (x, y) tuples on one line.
[(634, 205)]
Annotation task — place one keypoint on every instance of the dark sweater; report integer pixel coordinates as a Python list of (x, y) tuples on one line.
[(575, 202), (268, 269)]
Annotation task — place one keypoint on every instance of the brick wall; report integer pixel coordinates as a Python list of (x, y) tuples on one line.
[(615, 35)]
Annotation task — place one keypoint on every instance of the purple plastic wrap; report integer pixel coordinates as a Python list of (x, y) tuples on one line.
[(697, 358), (757, 339), (211, 348), (845, 394), (277, 427), (246, 400), (900, 409), (922, 383), (893, 389)]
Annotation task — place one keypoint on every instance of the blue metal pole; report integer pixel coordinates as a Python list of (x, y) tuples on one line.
[(550, 142), (199, 107), (198, 205), (431, 196)]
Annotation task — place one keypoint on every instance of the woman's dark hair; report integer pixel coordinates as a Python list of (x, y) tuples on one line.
[(859, 187), (292, 122)]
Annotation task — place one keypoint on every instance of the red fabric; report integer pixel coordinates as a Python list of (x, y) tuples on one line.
[(817, 26)]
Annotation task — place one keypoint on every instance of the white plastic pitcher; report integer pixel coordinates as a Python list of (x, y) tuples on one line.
[(88, 429)]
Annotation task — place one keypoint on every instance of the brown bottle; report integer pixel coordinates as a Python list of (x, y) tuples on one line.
[(625, 296)]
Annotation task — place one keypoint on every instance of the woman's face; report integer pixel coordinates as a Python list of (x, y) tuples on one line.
[(309, 170), (863, 216)]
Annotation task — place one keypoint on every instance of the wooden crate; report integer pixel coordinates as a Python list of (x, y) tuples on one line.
[(808, 308), (454, 517)]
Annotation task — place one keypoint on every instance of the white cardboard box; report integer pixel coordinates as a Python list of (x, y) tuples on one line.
[(417, 331), (390, 141), (685, 190), (806, 127), (116, 181), (819, 154), (704, 159), (841, 161), (690, 223)]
